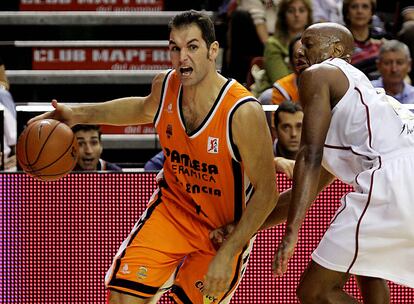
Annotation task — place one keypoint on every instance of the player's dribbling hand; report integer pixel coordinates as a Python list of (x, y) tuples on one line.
[(218, 236), (217, 279), (61, 112), (284, 165), (284, 252)]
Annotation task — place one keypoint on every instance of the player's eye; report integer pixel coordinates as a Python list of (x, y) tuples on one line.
[(193, 47)]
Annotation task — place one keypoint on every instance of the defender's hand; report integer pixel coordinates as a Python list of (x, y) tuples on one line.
[(284, 253)]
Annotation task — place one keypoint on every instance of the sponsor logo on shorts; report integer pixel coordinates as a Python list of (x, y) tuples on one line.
[(206, 298), (142, 273), (125, 269)]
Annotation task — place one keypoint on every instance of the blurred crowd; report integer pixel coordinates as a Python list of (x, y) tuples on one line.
[(260, 31), (261, 41)]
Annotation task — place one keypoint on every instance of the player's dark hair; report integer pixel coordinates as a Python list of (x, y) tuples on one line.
[(200, 19)]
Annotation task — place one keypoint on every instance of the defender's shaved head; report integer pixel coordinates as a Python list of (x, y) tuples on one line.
[(330, 33)]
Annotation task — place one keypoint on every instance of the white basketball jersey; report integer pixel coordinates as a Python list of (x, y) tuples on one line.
[(370, 145), (366, 124)]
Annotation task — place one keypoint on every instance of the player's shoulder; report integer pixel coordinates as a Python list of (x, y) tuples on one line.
[(249, 110), (321, 72), (237, 91), (160, 77)]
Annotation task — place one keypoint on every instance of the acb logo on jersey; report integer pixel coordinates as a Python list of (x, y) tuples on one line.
[(213, 145)]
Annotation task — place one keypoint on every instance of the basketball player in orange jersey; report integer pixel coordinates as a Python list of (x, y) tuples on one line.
[(218, 170)]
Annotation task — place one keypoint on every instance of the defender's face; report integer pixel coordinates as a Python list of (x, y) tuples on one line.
[(90, 149), (315, 47), (189, 54), (298, 60), (394, 67)]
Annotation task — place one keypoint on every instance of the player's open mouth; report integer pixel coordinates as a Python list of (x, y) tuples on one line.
[(186, 71), (87, 161)]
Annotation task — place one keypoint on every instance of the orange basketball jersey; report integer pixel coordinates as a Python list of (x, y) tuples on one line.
[(203, 169)]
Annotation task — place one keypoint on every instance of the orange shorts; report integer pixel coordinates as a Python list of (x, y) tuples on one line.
[(165, 246)]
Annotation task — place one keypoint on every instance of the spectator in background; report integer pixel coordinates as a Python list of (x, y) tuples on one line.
[(90, 149), (250, 25), (327, 11), (394, 63), (285, 88), (263, 13), (292, 19), (406, 34), (10, 123), (288, 127), (358, 15)]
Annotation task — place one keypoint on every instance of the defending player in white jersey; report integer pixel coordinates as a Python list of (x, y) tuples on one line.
[(353, 132)]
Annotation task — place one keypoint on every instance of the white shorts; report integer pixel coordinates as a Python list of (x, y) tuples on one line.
[(372, 233)]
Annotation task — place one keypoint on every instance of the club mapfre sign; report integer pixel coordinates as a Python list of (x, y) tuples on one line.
[(100, 58), (91, 5)]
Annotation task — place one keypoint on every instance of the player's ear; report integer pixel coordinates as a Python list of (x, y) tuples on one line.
[(339, 50), (213, 51)]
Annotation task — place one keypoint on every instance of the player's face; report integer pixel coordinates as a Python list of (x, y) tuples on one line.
[(298, 61), (394, 67), (289, 130), (297, 16), (189, 54), (360, 13), (315, 48), (90, 149)]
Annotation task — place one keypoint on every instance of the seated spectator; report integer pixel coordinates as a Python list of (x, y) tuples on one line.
[(394, 63), (288, 128), (263, 14), (406, 34), (155, 163), (10, 123), (285, 88), (358, 16), (249, 27), (327, 11), (90, 150), (293, 17)]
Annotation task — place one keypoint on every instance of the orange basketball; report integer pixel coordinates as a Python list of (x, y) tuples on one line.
[(47, 150)]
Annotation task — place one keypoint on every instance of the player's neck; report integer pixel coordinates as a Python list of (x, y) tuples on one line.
[(199, 99), (205, 92)]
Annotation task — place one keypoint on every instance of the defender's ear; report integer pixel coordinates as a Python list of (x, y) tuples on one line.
[(339, 50)]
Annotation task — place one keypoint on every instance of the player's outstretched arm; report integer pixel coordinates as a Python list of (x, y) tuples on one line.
[(315, 97), (277, 216), (252, 138), (121, 111)]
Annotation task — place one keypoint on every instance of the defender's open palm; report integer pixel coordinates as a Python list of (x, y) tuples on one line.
[(284, 253), (61, 112)]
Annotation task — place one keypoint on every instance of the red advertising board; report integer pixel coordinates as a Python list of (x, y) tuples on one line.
[(100, 58), (91, 5)]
